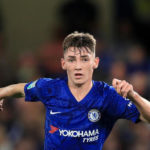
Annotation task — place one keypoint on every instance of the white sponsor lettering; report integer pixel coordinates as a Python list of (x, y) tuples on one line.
[(74, 133), (88, 136), (91, 139)]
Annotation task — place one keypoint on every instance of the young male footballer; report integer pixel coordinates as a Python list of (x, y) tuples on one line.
[(80, 112)]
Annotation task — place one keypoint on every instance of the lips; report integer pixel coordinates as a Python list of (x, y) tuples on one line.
[(78, 75)]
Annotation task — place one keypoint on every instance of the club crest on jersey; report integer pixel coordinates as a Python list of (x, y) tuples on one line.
[(94, 115)]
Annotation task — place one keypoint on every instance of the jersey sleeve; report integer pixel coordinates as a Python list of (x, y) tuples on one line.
[(118, 107), (37, 90)]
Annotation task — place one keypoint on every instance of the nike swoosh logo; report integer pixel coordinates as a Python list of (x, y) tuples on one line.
[(54, 113)]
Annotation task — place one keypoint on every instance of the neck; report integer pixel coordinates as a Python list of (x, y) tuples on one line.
[(80, 90), (88, 84)]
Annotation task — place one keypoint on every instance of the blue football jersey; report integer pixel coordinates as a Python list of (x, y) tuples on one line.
[(73, 125)]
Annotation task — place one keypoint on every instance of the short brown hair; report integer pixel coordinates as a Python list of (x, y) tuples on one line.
[(79, 39)]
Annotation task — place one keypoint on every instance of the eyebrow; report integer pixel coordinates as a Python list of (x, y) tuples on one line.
[(82, 56), (71, 56)]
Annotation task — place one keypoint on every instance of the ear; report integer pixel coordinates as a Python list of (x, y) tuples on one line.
[(63, 64), (96, 62)]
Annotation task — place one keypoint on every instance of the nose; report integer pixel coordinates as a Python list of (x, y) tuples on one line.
[(78, 65)]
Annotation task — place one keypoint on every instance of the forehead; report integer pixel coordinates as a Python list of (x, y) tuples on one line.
[(75, 51)]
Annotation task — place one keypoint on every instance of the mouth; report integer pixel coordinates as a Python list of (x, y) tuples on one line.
[(78, 75)]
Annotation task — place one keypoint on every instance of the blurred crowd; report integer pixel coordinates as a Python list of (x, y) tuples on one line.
[(126, 57)]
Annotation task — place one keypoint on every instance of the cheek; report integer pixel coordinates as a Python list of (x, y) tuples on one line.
[(69, 68), (89, 69), (90, 66)]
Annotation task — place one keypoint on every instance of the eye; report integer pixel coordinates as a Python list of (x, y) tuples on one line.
[(70, 60), (85, 59)]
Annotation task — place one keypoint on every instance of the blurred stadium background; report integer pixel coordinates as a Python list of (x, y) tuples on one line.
[(31, 34)]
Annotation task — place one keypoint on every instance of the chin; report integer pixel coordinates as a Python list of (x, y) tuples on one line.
[(79, 83)]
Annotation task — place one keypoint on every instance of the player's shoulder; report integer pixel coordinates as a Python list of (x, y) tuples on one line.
[(50, 81), (104, 87), (44, 79), (101, 84)]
